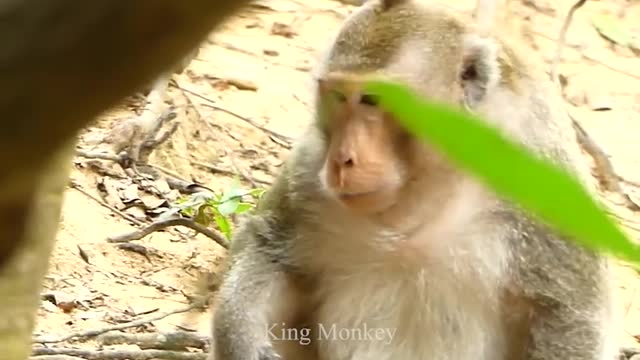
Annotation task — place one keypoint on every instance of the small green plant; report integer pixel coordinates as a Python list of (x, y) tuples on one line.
[(510, 169), (206, 208)]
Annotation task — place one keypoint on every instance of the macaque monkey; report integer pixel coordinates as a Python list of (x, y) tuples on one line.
[(62, 63), (372, 245)]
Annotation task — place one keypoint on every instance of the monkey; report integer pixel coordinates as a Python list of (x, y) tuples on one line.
[(62, 64), (130, 134), (372, 244)]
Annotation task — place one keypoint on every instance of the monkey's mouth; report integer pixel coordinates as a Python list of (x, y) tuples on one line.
[(355, 195), (367, 201)]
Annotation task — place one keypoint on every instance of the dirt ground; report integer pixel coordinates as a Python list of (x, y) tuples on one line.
[(271, 73)]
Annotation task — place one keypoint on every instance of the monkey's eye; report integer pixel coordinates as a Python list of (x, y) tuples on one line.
[(340, 97), (367, 99)]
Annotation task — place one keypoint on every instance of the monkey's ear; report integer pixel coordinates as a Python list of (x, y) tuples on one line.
[(480, 68)]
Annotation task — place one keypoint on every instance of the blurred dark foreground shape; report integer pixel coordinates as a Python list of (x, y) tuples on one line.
[(62, 63)]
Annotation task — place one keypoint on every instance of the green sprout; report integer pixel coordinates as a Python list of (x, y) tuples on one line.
[(207, 208)]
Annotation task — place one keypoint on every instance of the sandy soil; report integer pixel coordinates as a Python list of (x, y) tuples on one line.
[(118, 284)]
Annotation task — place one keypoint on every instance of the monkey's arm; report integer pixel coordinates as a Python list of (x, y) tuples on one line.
[(570, 291), (256, 296)]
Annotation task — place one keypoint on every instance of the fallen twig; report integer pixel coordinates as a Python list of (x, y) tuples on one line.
[(174, 180), (625, 222), (240, 171), (102, 203), (612, 68), (95, 332), (187, 94), (629, 352), (211, 104), (159, 225), (123, 159), (232, 47), (284, 138), (121, 354), (55, 357), (158, 286), (212, 168), (99, 155), (216, 169), (590, 58), (136, 248), (176, 341), (562, 38), (608, 178), (168, 172), (219, 170)]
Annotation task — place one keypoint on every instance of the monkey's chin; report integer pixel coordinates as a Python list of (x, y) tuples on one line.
[(370, 202)]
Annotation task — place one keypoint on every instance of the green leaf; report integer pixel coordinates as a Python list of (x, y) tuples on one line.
[(223, 225), (194, 200), (609, 27), (203, 215), (243, 207), (257, 192), (228, 207), (235, 191), (509, 168)]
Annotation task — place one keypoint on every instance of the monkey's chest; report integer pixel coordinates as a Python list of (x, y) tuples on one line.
[(405, 316)]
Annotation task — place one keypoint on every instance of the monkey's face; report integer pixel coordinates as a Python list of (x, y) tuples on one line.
[(364, 167)]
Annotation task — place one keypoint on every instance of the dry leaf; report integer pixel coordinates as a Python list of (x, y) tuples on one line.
[(162, 186), (137, 213), (130, 193), (151, 202), (599, 101), (67, 306), (83, 254), (173, 195), (281, 29), (108, 189)]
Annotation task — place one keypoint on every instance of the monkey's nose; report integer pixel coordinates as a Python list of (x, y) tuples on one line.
[(344, 162), (345, 159)]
